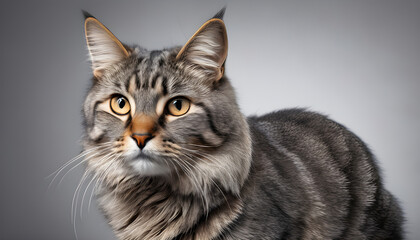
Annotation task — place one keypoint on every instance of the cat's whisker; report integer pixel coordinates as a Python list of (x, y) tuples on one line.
[(73, 208), (78, 164), (70, 161), (176, 169), (194, 181), (59, 170), (103, 174), (81, 154), (167, 164), (212, 161), (197, 145), (109, 168), (207, 156), (93, 178), (93, 192), (77, 192), (215, 184), (73, 202), (220, 190), (198, 185), (83, 196)]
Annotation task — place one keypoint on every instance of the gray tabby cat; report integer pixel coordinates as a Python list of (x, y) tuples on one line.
[(175, 158)]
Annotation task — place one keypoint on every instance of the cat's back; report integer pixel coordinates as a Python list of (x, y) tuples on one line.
[(308, 135), (321, 176)]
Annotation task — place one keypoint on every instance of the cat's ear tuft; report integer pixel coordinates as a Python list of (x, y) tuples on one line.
[(207, 49), (104, 48), (86, 14), (221, 13)]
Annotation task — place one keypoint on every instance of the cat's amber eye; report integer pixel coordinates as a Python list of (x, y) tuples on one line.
[(179, 106), (120, 105)]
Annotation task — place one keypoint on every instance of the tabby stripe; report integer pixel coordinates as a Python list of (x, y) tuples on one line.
[(201, 138), (354, 202), (154, 80), (138, 81), (127, 123), (95, 107), (154, 54), (211, 122), (161, 61), (281, 227), (127, 82), (146, 81), (161, 120), (164, 85)]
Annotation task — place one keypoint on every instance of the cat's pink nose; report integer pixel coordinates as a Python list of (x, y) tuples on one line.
[(142, 139)]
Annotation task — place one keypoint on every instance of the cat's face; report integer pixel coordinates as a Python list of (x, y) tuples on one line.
[(163, 113)]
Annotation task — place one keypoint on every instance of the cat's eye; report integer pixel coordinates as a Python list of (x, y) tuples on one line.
[(120, 105), (178, 106)]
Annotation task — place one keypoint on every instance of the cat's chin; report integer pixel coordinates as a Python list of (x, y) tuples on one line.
[(144, 165)]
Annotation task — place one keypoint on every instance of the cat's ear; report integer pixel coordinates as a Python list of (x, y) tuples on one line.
[(104, 48), (207, 49)]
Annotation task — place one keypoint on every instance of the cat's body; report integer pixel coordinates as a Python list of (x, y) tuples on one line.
[(175, 158)]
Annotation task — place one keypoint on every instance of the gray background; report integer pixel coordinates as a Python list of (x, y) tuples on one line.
[(357, 61)]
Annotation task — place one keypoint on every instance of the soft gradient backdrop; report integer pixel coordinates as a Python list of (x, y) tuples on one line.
[(356, 60)]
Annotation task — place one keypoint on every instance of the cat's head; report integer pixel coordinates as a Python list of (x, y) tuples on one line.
[(169, 114)]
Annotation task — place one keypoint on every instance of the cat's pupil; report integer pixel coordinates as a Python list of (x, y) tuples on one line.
[(178, 104), (121, 103)]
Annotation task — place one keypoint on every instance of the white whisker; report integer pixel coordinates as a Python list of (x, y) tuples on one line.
[(82, 154)]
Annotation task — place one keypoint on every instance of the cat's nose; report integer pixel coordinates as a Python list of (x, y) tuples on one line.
[(142, 139), (143, 128)]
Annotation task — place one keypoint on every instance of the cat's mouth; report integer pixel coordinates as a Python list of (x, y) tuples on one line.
[(147, 165), (142, 156)]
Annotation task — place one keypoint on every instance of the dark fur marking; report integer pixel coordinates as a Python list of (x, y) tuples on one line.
[(94, 112), (99, 138), (87, 14), (127, 82), (162, 120), (211, 122), (127, 123), (155, 53), (138, 81), (161, 62), (154, 79), (164, 85), (130, 220)]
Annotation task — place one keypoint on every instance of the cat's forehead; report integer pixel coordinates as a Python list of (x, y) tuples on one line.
[(155, 59), (150, 77), (157, 71), (153, 78)]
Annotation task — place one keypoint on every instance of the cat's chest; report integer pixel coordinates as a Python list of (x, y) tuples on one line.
[(147, 213), (160, 214)]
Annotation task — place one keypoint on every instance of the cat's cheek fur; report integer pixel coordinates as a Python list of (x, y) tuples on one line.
[(96, 133), (131, 150)]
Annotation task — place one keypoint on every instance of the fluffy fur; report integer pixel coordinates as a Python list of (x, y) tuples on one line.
[(212, 173)]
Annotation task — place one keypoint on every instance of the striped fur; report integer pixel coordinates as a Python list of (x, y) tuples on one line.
[(212, 173)]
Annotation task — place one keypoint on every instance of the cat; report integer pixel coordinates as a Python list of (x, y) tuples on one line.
[(175, 158)]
